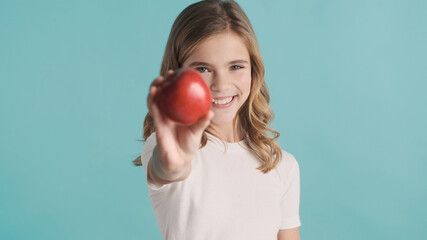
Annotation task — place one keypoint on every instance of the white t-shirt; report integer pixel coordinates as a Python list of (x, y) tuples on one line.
[(225, 196)]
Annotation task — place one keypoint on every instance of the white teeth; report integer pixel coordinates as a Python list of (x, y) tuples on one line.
[(223, 101)]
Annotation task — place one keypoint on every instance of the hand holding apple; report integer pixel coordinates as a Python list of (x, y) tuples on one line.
[(178, 137)]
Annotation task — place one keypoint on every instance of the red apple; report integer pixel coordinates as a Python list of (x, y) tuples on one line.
[(184, 96)]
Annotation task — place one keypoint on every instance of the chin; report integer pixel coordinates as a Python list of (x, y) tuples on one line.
[(223, 120)]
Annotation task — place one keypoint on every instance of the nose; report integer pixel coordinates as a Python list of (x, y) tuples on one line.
[(220, 82)]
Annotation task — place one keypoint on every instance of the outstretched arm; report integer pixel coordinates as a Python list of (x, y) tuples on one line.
[(288, 234), (176, 144)]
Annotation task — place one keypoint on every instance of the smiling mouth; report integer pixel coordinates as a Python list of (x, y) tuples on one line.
[(223, 101)]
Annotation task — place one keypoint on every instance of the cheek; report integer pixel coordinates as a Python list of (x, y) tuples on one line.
[(243, 81), (207, 77)]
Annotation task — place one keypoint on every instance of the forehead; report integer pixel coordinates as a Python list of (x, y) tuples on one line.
[(224, 46)]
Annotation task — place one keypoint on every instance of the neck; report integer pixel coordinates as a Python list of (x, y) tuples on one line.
[(227, 132)]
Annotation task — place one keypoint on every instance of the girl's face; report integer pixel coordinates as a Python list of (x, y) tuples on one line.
[(224, 62)]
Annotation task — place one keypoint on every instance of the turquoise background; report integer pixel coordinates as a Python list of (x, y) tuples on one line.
[(347, 82)]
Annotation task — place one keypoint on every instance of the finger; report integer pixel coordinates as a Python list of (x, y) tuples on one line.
[(154, 89), (170, 72), (161, 121), (152, 92), (157, 81), (158, 118), (202, 123), (170, 75)]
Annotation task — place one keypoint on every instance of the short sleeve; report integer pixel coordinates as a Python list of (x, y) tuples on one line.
[(291, 196), (146, 153), (147, 150)]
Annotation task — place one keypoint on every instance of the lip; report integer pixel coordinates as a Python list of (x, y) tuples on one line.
[(224, 105), (220, 98)]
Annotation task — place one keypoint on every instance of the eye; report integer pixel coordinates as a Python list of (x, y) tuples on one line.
[(202, 69), (236, 67)]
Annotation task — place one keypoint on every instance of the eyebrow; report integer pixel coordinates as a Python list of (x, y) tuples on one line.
[(207, 64), (198, 64)]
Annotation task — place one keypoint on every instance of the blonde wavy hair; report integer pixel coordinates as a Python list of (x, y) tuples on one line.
[(194, 24)]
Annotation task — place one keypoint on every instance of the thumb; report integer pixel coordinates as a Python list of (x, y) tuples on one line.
[(202, 123)]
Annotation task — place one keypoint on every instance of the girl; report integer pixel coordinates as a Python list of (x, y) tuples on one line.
[(223, 177)]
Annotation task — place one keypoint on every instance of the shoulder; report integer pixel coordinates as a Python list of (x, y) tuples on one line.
[(287, 166), (151, 140), (288, 160), (147, 149)]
